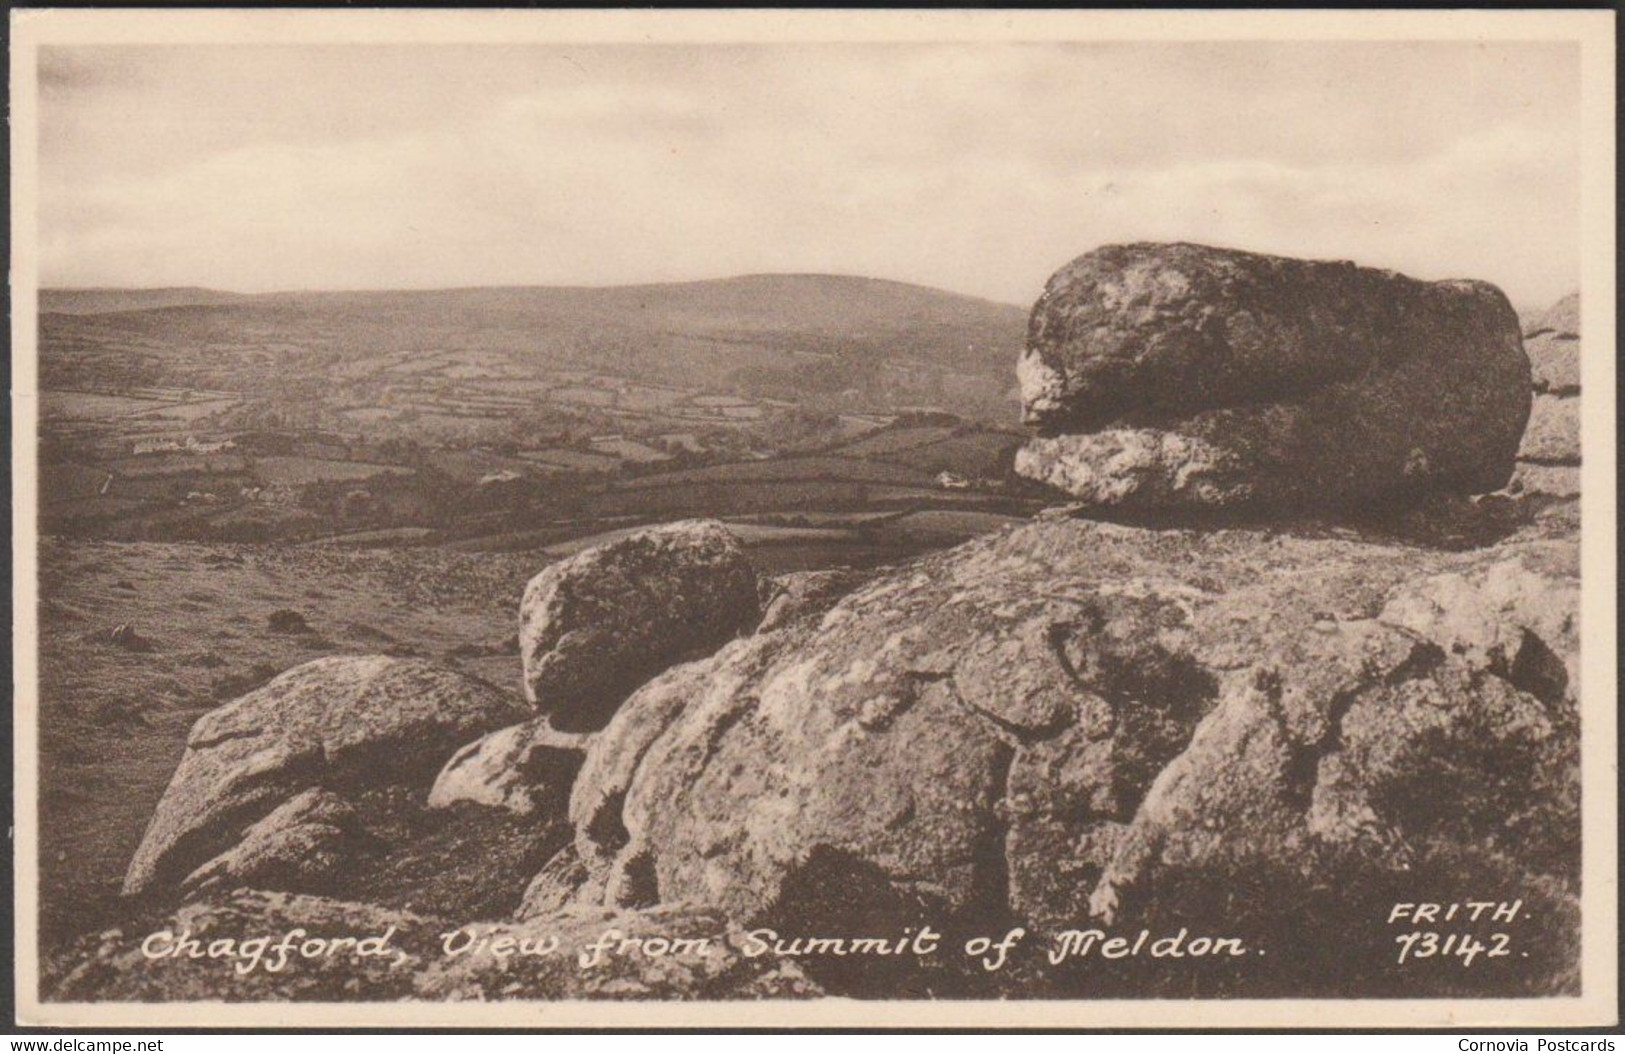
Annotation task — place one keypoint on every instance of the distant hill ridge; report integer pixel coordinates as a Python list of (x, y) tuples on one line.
[(108, 299), (102, 300), (771, 334)]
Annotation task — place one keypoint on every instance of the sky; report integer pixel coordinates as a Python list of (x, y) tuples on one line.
[(978, 168)]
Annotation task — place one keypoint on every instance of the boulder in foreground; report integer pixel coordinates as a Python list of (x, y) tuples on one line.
[(597, 625)]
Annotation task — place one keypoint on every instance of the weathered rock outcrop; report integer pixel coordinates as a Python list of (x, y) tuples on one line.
[(1553, 345), (1057, 722), (1549, 458), (597, 625), (330, 723), (1553, 435), (1562, 319), (524, 769), (1179, 378)]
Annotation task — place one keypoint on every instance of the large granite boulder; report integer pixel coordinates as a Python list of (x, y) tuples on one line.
[(597, 625), (331, 723), (1079, 720), (1177, 378)]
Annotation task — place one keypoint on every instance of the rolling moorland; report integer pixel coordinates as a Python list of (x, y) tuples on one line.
[(231, 485), (496, 417)]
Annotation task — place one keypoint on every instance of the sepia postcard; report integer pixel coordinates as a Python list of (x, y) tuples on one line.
[(755, 518)]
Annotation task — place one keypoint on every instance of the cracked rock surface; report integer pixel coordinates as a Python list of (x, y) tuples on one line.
[(1177, 378), (1052, 723)]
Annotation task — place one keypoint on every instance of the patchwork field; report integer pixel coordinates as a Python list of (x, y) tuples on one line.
[(294, 470)]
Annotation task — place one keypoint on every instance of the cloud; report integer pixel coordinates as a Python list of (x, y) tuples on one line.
[(978, 169)]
